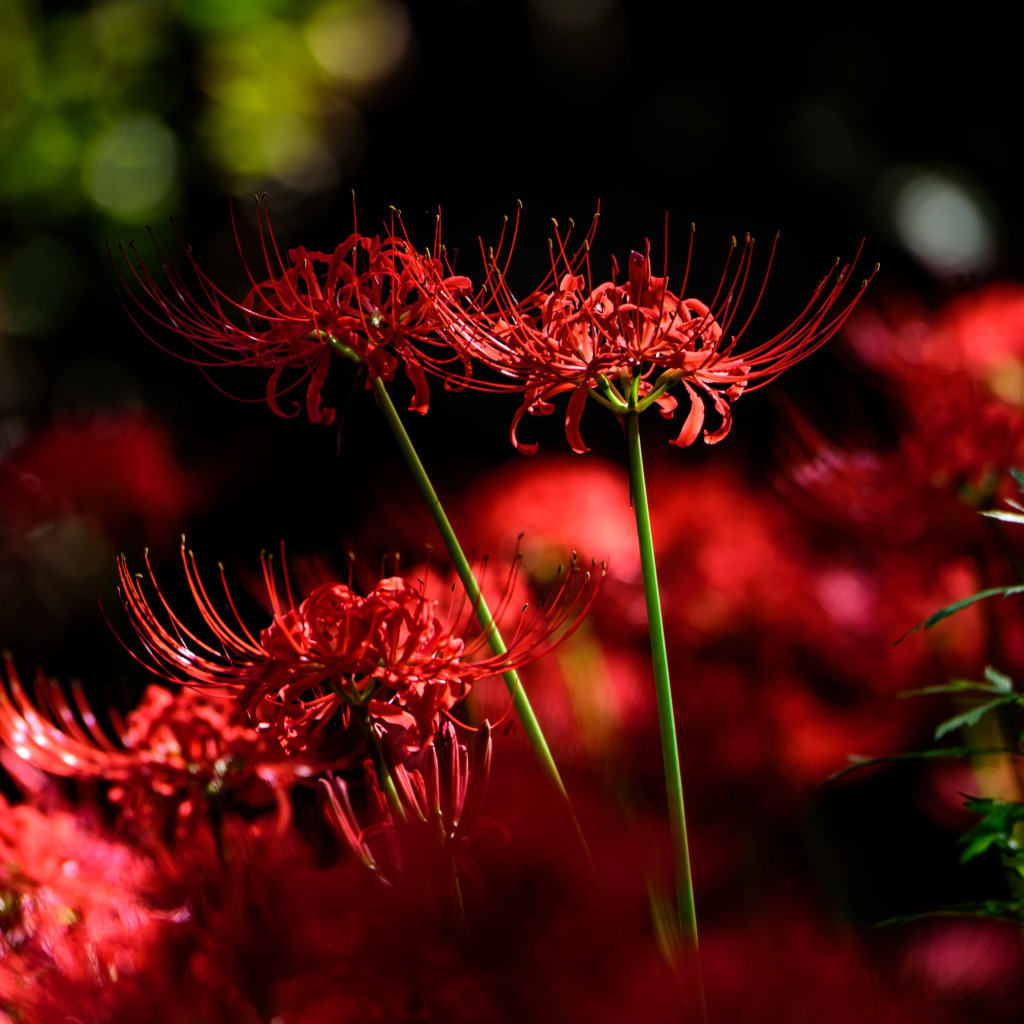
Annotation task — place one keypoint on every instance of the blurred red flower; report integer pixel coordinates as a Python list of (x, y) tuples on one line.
[(784, 965), (75, 909), (950, 461), (972, 963), (975, 340), (781, 632), (175, 756), (115, 470)]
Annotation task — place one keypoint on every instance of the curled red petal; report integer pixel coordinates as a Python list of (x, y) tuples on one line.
[(667, 405), (394, 713), (421, 398), (525, 449), (272, 387), (314, 406), (694, 420), (573, 413), (724, 409)]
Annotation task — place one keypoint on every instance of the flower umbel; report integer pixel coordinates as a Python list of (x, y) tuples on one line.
[(367, 299), (170, 758), (628, 344), (393, 657)]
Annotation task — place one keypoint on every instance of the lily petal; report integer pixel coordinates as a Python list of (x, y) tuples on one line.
[(526, 449), (724, 409), (314, 406), (421, 398), (694, 420), (573, 413)]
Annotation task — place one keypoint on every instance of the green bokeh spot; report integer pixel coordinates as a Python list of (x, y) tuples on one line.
[(131, 168), (217, 16)]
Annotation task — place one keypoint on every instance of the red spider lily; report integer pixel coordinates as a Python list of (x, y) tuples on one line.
[(174, 754), (627, 345), (113, 469), (440, 789), (976, 337), (388, 655), (75, 908), (368, 297), (951, 461)]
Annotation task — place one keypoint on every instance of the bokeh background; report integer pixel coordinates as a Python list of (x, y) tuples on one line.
[(848, 125), (854, 123)]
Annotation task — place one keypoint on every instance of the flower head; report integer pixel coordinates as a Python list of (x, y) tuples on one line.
[(392, 656), (627, 343), (950, 460), (73, 907), (114, 470), (365, 300), (172, 757)]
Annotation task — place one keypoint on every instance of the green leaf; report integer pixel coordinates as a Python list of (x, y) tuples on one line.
[(957, 606), (1011, 910), (972, 717), (859, 761), (958, 686), (998, 820), (1018, 476), (1006, 517), (1000, 682)]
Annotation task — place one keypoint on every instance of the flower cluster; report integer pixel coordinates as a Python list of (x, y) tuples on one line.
[(433, 881), (378, 301), (173, 756), (628, 344), (392, 658), (368, 300)]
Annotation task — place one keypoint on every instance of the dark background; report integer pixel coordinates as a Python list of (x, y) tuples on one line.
[(734, 119)]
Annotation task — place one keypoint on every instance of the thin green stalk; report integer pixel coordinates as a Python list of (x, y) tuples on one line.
[(515, 687), (669, 746), (384, 779)]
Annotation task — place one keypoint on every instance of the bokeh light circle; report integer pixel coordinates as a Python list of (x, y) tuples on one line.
[(131, 168)]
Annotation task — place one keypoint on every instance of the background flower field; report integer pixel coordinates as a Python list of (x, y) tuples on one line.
[(840, 512)]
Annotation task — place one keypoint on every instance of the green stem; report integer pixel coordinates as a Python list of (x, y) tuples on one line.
[(659, 655), (515, 687), (387, 784)]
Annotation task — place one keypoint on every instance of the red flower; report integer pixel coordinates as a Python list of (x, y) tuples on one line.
[(367, 296), (951, 459), (440, 788), (977, 337), (75, 909), (113, 469), (569, 335), (393, 655), (175, 754)]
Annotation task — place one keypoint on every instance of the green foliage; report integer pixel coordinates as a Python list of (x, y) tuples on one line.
[(1000, 825), (995, 682), (971, 717), (956, 606), (999, 821), (857, 761)]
